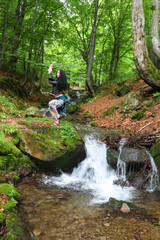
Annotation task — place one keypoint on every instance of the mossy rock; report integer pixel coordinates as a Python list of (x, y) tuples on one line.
[(9, 148), (33, 112), (72, 108), (122, 89), (114, 134), (10, 191), (131, 102), (11, 158), (50, 146), (118, 203), (14, 227)]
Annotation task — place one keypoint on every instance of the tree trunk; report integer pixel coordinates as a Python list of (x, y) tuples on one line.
[(15, 40), (92, 50), (146, 70), (30, 46), (155, 20), (3, 44)]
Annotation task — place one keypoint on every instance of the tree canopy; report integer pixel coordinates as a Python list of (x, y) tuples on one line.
[(90, 39)]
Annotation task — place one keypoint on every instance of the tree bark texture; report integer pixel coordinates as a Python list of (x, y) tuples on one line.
[(146, 70), (92, 50), (15, 40), (155, 20)]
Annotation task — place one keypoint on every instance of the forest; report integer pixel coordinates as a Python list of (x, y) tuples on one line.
[(91, 40), (92, 170)]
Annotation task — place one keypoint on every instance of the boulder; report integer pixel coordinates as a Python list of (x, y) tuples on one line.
[(131, 102), (53, 147), (33, 112), (133, 157)]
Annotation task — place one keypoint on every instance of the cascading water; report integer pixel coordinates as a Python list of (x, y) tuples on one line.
[(154, 176), (94, 175), (121, 165)]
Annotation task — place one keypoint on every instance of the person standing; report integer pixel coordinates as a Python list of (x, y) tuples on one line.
[(58, 104)]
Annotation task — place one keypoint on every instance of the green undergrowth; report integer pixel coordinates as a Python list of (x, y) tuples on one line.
[(11, 157), (65, 133), (8, 212)]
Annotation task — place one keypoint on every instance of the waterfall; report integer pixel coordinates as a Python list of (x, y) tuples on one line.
[(154, 176), (93, 175), (121, 165)]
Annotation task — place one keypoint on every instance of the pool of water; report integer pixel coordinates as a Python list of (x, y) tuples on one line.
[(50, 212), (74, 206)]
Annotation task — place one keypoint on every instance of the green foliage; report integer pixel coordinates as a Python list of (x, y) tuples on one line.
[(7, 107), (87, 115), (110, 111), (10, 191), (68, 134), (157, 94), (2, 217), (9, 129), (93, 124), (138, 114), (14, 227)]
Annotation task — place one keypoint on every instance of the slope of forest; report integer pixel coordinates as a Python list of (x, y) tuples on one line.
[(105, 108), (142, 121)]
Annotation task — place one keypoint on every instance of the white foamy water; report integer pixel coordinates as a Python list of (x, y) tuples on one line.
[(93, 175), (154, 176), (121, 165)]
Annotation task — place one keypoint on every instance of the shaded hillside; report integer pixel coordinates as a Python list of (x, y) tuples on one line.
[(107, 108)]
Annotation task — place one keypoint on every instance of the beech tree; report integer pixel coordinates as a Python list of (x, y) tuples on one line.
[(145, 67), (155, 21)]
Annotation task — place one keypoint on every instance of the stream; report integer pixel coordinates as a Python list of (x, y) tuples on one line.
[(74, 206)]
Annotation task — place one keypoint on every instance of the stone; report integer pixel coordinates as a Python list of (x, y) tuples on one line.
[(106, 224), (36, 232), (125, 208), (33, 112), (131, 102)]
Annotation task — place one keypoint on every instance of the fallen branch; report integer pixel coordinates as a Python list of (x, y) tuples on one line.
[(144, 126)]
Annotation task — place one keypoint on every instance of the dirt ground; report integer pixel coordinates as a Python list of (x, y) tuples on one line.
[(148, 124)]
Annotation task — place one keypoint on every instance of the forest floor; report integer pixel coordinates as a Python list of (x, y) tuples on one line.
[(150, 123), (106, 99)]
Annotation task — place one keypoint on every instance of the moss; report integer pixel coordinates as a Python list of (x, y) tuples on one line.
[(87, 115), (9, 190), (118, 203), (2, 180), (68, 134), (3, 162), (122, 89), (72, 108), (139, 114), (2, 217), (114, 134), (93, 124), (155, 151), (55, 145), (14, 228), (13, 178), (110, 111), (9, 148)]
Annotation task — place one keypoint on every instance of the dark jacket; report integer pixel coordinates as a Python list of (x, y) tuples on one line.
[(54, 83)]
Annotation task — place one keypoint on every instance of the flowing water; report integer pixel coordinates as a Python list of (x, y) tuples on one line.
[(94, 175), (73, 206)]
